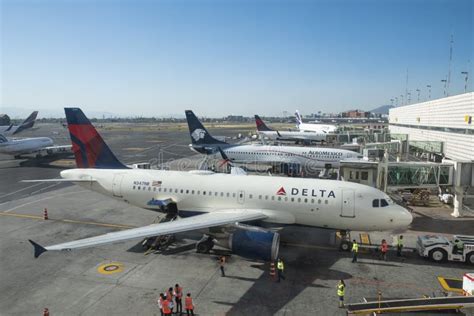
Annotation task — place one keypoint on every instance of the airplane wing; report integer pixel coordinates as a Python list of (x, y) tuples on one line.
[(211, 219)]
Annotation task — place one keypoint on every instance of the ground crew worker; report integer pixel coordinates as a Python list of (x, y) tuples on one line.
[(341, 289), (399, 245), (160, 303), (383, 250), (166, 307), (178, 294), (222, 263), (189, 305), (45, 312), (355, 250), (280, 269), (458, 246), (169, 298)]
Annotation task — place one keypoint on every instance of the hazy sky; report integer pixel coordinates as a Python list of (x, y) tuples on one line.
[(157, 58)]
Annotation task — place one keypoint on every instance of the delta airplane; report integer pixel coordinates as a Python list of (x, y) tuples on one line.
[(264, 130), (15, 129), (234, 206), (310, 127), (204, 143)]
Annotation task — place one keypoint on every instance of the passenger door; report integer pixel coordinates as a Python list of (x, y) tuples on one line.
[(117, 185), (347, 203), (241, 197)]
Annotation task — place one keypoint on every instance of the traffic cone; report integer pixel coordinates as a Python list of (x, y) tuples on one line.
[(46, 312), (272, 270), (45, 214)]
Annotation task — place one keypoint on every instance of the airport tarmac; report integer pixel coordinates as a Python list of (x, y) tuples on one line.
[(76, 283)]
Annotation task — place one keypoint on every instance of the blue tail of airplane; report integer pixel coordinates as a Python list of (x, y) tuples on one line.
[(28, 123), (89, 148), (199, 134), (261, 126)]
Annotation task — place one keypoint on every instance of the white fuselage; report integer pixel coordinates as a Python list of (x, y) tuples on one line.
[(294, 135), (305, 156), (24, 145), (319, 203), (317, 128)]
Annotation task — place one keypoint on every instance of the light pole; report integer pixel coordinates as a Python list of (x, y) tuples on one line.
[(418, 90), (396, 101), (408, 97), (401, 98), (466, 77), (445, 83), (429, 91), (391, 100)]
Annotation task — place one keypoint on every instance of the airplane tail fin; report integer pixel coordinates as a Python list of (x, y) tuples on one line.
[(89, 148), (28, 123), (261, 126), (298, 118), (199, 134)]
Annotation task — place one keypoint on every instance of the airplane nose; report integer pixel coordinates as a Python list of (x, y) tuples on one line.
[(404, 218)]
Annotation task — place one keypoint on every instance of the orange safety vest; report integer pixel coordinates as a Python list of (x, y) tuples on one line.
[(166, 307), (179, 292), (188, 302), (384, 247), (169, 296)]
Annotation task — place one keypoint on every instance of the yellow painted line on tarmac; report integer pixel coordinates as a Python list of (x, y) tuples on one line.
[(66, 220), (308, 246)]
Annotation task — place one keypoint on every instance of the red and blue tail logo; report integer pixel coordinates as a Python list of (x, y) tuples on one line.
[(89, 148), (281, 191)]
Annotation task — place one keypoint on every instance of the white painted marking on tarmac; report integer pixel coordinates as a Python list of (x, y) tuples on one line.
[(43, 199), (25, 188)]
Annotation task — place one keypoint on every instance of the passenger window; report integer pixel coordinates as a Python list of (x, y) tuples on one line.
[(312, 201), (159, 189), (134, 187), (326, 202), (228, 194), (192, 192), (383, 203), (286, 199), (306, 200), (149, 188), (216, 193), (375, 203), (187, 191), (299, 200), (175, 190), (233, 194), (198, 192), (319, 201), (222, 194), (250, 196), (181, 191), (259, 197), (279, 198), (273, 198), (154, 189), (203, 192), (292, 199), (138, 188), (266, 197)]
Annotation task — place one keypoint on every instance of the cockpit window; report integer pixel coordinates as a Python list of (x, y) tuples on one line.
[(375, 203), (383, 203)]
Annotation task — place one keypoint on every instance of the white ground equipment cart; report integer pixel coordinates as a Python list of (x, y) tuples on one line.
[(440, 248)]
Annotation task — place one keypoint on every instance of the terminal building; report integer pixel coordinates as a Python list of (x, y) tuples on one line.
[(443, 130)]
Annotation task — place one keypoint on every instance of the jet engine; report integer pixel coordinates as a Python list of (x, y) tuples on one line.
[(256, 244)]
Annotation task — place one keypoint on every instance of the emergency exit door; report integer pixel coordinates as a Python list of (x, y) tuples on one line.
[(348, 203), (241, 197), (117, 185)]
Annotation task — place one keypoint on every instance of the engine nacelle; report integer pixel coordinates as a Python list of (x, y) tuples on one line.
[(255, 244)]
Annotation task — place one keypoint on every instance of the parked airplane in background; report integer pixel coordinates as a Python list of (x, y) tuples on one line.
[(314, 157), (265, 131), (15, 129), (220, 201), (41, 146), (311, 127)]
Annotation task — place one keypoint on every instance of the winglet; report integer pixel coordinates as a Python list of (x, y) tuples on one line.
[(38, 248)]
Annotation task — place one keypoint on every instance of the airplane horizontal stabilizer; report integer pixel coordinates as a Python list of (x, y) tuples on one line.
[(59, 180)]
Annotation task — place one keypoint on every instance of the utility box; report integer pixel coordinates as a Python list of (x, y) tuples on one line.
[(468, 283)]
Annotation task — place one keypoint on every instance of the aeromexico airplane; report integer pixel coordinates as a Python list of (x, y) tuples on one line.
[(15, 129), (314, 157), (311, 127), (266, 131), (223, 202)]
